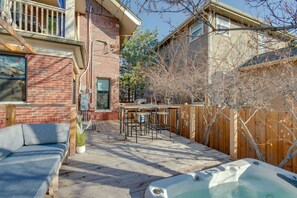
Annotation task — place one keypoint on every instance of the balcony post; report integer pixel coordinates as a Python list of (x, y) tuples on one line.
[(70, 19)]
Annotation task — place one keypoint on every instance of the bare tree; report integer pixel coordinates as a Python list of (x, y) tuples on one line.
[(180, 72), (280, 13), (284, 83)]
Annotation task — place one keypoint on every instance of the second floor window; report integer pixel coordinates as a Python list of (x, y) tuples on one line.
[(262, 43), (196, 30), (12, 78), (223, 23)]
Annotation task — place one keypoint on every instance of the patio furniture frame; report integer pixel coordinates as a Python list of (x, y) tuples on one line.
[(125, 109)]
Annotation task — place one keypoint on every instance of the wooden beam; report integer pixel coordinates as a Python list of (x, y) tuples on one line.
[(10, 115), (10, 47), (18, 37), (73, 115)]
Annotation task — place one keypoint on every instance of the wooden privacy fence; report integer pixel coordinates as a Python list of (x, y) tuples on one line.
[(273, 132), (192, 125)]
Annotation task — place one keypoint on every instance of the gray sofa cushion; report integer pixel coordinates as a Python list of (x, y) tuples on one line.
[(28, 171), (45, 133), (27, 180), (11, 139), (28, 154)]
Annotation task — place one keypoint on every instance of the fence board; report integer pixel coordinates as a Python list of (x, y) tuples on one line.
[(227, 131), (267, 127), (287, 136), (295, 132), (241, 141), (197, 124), (201, 126), (260, 131), (280, 137)]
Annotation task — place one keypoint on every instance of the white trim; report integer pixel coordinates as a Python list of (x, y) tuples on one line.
[(135, 20), (13, 102), (78, 26), (103, 110), (127, 12)]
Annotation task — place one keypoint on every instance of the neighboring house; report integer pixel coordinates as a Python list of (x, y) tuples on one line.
[(276, 72), (44, 47), (220, 51)]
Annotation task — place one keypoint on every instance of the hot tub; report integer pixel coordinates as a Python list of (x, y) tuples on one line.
[(246, 178)]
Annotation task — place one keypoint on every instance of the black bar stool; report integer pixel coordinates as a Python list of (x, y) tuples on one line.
[(161, 122), (143, 122)]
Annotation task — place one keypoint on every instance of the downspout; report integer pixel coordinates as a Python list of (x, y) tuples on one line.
[(91, 61), (89, 48)]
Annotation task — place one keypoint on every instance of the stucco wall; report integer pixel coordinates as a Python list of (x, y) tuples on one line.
[(229, 52)]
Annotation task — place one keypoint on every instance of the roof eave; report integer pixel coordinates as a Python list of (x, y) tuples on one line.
[(126, 17), (267, 64), (210, 4)]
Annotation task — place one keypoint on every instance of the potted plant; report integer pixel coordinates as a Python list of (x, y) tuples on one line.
[(81, 135)]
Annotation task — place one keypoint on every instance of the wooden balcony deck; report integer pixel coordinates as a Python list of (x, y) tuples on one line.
[(112, 167)]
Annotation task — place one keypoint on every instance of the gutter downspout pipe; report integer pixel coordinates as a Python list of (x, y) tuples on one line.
[(89, 49)]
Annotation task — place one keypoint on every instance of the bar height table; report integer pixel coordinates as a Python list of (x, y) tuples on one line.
[(125, 109)]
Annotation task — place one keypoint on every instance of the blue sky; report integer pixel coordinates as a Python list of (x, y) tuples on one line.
[(153, 20)]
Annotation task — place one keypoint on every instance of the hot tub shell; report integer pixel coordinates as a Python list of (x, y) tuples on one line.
[(222, 174)]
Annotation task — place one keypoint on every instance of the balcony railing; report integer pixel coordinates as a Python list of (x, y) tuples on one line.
[(31, 16)]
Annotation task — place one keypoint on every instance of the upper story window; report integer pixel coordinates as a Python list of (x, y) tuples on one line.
[(196, 30), (12, 78), (223, 23), (262, 43)]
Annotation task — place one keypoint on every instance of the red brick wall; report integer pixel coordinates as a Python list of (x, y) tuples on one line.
[(105, 60), (49, 91), (49, 80)]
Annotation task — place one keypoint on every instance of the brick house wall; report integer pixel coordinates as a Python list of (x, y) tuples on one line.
[(49, 91), (106, 62)]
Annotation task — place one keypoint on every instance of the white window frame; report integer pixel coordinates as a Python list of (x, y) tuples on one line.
[(223, 23), (199, 26), (2, 7), (262, 43)]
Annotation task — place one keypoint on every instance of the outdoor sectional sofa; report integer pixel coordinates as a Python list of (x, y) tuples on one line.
[(30, 158)]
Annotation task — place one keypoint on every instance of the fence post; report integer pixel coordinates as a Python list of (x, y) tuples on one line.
[(10, 115), (192, 124), (233, 134), (72, 146)]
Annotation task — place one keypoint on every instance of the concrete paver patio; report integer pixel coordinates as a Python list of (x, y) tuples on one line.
[(112, 167)]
